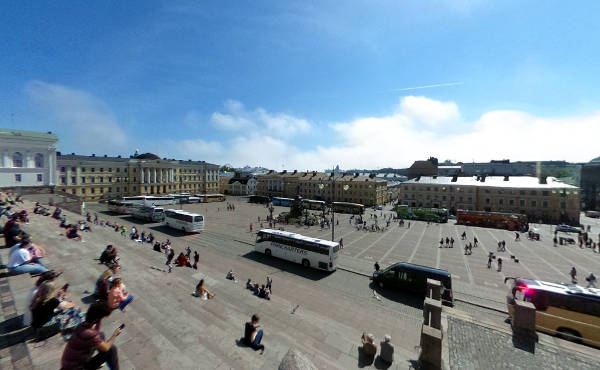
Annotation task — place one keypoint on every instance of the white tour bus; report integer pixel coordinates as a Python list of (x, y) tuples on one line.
[(148, 213), (183, 220), (310, 252), (117, 206), (144, 200)]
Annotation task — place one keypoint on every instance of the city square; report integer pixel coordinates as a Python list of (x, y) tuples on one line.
[(322, 314)]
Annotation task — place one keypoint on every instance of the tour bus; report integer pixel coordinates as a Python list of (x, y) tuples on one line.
[(317, 205), (310, 252), (150, 200), (571, 312), (592, 214), (117, 206), (284, 202), (180, 198), (148, 213), (258, 199), (351, 208), (209, 198), (194, 200), (183, 220)]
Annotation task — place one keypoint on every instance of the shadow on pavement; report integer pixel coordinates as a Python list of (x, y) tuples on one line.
[(406, 298), (137, 221), (169, 231), (287, 266)]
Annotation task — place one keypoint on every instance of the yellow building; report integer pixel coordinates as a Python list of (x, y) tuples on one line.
[(367, 190), (544, 199), (96, 178)]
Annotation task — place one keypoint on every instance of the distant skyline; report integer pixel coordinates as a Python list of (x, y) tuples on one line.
[(307, 85)]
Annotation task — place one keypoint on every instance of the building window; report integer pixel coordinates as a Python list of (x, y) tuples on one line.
[(533, 192), (501, 201), (101, 190), (73, 180), (110, 170), (101, 169), (17, 160), (545, 193), (82, 179), (63, 180), (522, 202), (92, 179), (39, 160), (72, 169), (93, 169), (511, 202), (545, 204), (118, 170), (92, 190), (533, 203), (110, 179), (40, 178), (62, 169), (18, 177), (82, 169), (73, 191), (487, 200), (82, 190)]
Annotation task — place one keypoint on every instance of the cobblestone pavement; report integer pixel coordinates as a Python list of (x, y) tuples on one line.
[(474, 346)]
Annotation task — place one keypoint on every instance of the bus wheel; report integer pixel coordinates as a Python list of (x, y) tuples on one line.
[(305, 263), (268, 252), (569, 334)]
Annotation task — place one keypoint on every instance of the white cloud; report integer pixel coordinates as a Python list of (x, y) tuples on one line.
[(429, 112), (238, 119), (84, 122)]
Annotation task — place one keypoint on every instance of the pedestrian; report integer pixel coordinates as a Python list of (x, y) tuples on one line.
[(451, 242), (188, 252), (341, 243), (573, 274), (489, 262), (499, 264), (464, 235), (441, 242), (475, 241), (170, 256), (517, 237), (269, 284), (376, 266), (447, 241), (250, 227), (466, 249), (196, 259), (95, 218), (408, 225), (591, 280)]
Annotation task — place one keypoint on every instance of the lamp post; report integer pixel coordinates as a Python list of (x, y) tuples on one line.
[(321, 187)]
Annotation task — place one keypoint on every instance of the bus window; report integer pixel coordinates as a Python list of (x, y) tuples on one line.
[(198, 219)]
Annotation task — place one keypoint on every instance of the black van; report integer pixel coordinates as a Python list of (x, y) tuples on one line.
[(404, 276)]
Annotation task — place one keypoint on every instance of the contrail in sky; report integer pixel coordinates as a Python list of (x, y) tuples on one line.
[(430, 86)]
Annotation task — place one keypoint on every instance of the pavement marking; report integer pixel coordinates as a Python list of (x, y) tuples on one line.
[(439, 251), (535, 254), (417, 246), (354, 241), (393, 246), (372, 244), (467, 267), (520, 262), (487, 253), (490, 284)]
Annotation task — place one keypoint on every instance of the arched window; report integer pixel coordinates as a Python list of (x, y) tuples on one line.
[(39, 160), (17, 159)]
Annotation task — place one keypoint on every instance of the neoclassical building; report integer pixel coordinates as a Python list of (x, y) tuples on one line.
[(28, 159), (96, 178)]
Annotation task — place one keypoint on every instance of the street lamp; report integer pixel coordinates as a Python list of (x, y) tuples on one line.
[(345, 188)]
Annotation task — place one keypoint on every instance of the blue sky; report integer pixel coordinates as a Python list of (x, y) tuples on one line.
[(306, 84)]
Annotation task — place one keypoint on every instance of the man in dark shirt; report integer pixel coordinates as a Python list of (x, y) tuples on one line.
[(11, 232), (87, 338), (252, 336)]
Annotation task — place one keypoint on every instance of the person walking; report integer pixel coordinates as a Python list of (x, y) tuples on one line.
[(188, 252), (573, 274), (341, 243), (499, 264), (170, 256), (196, 259), (489, 265), (591, 280), (376, 266), (269, 283)]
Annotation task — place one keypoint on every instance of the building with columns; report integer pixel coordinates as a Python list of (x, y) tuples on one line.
[(96, 178), (28, 158)]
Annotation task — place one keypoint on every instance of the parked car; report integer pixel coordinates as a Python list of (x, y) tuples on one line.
[(404, 276), (568, 229)]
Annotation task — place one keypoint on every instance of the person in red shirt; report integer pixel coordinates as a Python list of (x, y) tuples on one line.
[(87, 338)]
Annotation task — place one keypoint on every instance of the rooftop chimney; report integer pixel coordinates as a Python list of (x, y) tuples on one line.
[(295, 172), (93, 155), (506, 178), (543, 180), (454, 178), (284, 172), (372, 175)]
